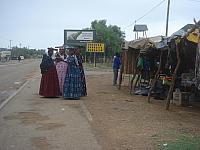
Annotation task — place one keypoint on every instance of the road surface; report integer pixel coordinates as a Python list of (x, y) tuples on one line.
[(13, 75)]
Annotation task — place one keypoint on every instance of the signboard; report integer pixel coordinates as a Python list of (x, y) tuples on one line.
[(95, 47), (5, 53), (78, 36)]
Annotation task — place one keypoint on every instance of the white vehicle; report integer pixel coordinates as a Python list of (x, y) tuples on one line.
[(22, 57)]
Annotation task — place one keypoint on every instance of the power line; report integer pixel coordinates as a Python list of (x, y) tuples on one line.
[(148, 12)]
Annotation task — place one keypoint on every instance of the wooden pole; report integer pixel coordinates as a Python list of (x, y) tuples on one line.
[(173, 77), (138, 78), (104, 58), (85, 57), (134, 74), (95, 59), (121, 70), (167, 21), (133, 78), (155, 77)]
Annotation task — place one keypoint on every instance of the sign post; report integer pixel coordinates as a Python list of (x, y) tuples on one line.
[(95, 59), (95, 48)]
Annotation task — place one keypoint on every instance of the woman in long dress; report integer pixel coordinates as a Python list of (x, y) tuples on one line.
[(49, 85), (83, 80), (61, 67), (72, 84)]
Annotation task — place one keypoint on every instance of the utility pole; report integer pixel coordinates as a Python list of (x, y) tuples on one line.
[(168, 6), (20, 45), (10, 44)]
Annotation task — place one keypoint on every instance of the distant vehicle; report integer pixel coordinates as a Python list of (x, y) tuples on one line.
[(14, 58), (22, 57)]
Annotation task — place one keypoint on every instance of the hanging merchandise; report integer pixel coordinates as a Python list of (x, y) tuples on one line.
[(167, 81)]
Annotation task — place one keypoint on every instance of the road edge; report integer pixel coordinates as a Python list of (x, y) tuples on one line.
[(13, 95), (86, 111)]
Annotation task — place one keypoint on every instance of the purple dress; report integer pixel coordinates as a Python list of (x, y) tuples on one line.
[(61, 68)]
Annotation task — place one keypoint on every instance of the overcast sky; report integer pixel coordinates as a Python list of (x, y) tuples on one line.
[(41, 23)]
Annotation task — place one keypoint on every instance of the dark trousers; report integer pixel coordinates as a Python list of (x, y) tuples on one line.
[(115, 76)]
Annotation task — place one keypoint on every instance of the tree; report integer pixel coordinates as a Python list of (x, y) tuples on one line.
[(27, 53), (111, 35)]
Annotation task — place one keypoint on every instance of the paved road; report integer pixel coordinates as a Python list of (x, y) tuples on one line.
[(13, 75), (30, 122)]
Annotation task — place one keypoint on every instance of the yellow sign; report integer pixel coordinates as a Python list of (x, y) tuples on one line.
[(95, 47), (193, 37)]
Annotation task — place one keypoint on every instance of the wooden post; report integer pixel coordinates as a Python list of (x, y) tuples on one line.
[(173, 77), (104, 56), (138, 78), (95, 59), (167, 21), (134, 74), (155, 77), (85, 57), (131, 84), (121, 70)]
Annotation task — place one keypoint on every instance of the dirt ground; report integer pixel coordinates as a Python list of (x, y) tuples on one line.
[(125, 122)]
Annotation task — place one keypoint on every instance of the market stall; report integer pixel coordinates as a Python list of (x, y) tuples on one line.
[(184, 62)]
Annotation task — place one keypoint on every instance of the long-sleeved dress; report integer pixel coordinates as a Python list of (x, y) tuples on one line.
[(83, 80), (49, 85), (61, 68), (72, 84)]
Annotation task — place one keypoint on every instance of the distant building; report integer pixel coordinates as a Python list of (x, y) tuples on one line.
[(5, 55), (140, 28)]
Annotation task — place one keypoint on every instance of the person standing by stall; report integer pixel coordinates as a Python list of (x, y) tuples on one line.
[(83, 80), (115, 66), (49, 85), (72, 84)]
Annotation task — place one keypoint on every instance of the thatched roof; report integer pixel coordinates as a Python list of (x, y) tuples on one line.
[(139, 43), (157, 41)]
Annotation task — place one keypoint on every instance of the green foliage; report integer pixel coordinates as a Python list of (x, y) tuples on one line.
[(99, 67), (182, 141), (27, 53), (111, 35)]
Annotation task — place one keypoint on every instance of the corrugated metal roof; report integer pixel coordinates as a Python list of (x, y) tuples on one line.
[(181, 32)]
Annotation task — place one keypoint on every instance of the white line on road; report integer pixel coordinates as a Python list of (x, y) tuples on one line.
[(15, 93)]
